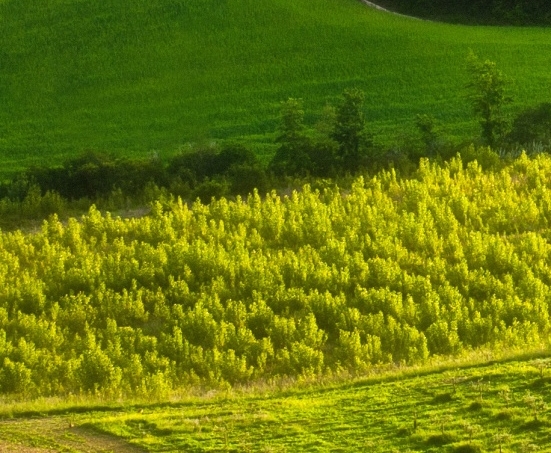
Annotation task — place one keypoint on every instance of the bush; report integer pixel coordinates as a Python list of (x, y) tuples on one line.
[(532, 125), (15, 377), (441, 439), (467, 448), (115, 182), (94, 175), (486, 158), (96, 370), (209, 173), (243, 179), (194, 166), (210, 189), (233, 155), (322, 156)]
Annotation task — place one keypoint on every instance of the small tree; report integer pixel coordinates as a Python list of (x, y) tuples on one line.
[(324, 148), (501, 438), (471, 430), (536, 404), (426, 124), (479, 387), (443, 420), (505, 393), (541, 365), (454, 381), (349, 131), (292, 156), (487, 96)]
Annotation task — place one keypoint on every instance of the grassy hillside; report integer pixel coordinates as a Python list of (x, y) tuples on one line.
[(131, 79), (488, 408)]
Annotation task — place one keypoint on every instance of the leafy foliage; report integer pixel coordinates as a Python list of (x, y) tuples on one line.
[(349, 131), (386, 271), (532, 125), (487, 96), (292, 156)]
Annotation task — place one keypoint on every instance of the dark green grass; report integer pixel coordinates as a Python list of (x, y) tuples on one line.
[(425, 412), (150, 76)]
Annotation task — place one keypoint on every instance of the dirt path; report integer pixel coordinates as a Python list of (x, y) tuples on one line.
[(15, 448), (57, 434), (380, 8)]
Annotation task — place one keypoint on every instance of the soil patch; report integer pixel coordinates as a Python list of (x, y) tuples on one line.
[(55, 434)]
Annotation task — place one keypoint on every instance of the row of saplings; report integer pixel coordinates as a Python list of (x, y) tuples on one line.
[(339, 144)]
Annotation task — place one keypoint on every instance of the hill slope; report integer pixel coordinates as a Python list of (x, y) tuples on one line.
[(81, 75), (488, 408)]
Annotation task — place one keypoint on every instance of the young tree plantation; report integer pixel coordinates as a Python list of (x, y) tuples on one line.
[(388, 271)]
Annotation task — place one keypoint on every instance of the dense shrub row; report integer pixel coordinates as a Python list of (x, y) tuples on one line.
[(216, 170), (95, 175)]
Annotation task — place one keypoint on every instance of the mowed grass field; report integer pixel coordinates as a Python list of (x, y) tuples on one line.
[(485, 408), (148, 77)]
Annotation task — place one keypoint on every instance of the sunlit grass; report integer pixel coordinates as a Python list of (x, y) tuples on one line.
[(459, 408)]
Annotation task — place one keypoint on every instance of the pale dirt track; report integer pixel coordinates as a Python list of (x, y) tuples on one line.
[(53, 434), (373, 5), (380, 8)]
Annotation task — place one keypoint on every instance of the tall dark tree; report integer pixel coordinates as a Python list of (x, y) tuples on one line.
[(292, 156), (487, 96), (349, 131), (426, 124)]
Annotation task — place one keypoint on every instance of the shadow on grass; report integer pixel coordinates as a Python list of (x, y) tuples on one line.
[(467, 448), (60, 411), (438, 440), (533, 425), (442, 398)]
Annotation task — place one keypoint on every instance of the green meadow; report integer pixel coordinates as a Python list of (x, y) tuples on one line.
[(151, 77), (499, 406)]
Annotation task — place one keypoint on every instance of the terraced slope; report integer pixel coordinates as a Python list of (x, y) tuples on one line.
[(134, 78)]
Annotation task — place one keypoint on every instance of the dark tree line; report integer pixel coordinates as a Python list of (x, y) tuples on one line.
[(512, 12), (204, 172)]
